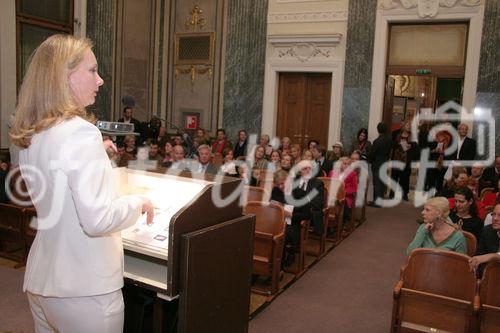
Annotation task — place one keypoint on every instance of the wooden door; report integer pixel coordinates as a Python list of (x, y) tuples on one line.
[(304, 107)]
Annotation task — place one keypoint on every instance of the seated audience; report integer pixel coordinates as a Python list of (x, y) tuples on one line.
[(336, 151), (465, 212), (286, 144), (129, 143), (265, 142), (305, 206), (221, 142), (4, 170), (247, 176), (459, 179), (492, 173), (229, 166), (296, 153), (436, 231), (350, 180), (286, 162), (491, 198), (200, 138), (204, 166), (240, 147), (319, 154), (489, 218), (167, 155), (362, 144), (311, 144), (488, 247), (154, 151), (259, 161), (477, 174), (274, 160), (179, 161)]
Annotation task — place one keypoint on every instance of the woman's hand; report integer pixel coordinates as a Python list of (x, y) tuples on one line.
[(109, 146), (147, 207), (429, 226)]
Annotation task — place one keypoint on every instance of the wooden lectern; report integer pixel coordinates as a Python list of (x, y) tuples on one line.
[(196, 258)]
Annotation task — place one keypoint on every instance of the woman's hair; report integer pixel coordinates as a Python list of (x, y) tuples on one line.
[(362, 130), (441, 204), (45, 97), (467, 193), (280, 176), (226, 151)]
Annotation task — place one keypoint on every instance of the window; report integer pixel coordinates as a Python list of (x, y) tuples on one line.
[(36, 21)]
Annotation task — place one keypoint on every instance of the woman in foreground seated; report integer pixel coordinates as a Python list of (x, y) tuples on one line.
[(436, 231)]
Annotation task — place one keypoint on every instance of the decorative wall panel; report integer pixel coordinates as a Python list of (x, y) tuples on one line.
[(244, 65)]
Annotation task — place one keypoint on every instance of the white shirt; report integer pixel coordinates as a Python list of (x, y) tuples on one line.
[(78, 248)]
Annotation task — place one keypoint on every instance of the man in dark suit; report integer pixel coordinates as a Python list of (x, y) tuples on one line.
[(240, 147), (379, 154), (128, 119), (466, 146), (307, 197), (319, 154), (204, 165), (489, 245)]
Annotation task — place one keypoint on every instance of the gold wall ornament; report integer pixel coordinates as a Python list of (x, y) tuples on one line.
[(194, 70), (196, 19)]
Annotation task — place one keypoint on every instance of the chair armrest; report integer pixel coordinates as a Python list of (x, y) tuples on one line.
[(397, 289), (263, 235), (279, 238)]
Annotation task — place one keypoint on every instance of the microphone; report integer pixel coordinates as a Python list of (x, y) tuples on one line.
[(128, 100)]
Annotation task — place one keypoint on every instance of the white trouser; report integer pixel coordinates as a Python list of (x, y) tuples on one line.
[(97, 314)]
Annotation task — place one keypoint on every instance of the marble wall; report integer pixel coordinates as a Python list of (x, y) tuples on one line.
[(488, 87), (358, 68), (102, 35), (244, 65)]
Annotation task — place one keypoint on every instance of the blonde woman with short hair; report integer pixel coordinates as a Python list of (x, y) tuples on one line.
[(74, 272), (438, 231)]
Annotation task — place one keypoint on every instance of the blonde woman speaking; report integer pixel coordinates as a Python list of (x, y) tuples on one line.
[(74, 272)]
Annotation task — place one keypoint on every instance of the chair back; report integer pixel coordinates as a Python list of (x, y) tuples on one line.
[(253, 193), (485, 191), (471, 243), (269, 217), (489, 293), (440, 272), (490, 298), (335, 188)]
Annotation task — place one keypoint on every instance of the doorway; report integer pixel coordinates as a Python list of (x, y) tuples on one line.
[(304, 107)]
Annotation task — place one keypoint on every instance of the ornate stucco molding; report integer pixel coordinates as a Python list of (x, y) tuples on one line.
[(326, 16), (304, 48), (426, 8)]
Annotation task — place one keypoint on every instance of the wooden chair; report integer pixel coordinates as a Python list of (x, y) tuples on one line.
[(471, 243), (316, 245), (336, 202), (436, 291), (16, 235), (490, 299), (269, 241), (252, 193), (488, 209), (485, 192), (299, 266), (361, 210)]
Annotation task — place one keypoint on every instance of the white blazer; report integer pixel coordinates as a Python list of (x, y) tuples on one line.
[(78, 248)]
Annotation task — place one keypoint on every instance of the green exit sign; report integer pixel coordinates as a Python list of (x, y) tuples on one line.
[(423, 71)]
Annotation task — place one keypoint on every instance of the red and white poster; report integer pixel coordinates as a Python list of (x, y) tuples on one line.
[(191, 122)]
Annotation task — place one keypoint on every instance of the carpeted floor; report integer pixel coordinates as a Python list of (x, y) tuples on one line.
[(15, 314), (350, 290)]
